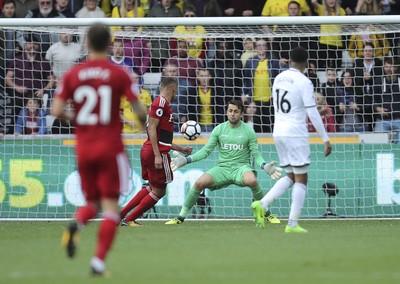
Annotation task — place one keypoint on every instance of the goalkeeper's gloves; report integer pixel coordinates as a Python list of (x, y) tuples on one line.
[(269, 168), (179, 161)]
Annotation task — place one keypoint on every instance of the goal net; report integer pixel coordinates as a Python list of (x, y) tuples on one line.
[(354, 65)]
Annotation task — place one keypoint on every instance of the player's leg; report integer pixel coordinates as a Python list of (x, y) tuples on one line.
[(204, 181), (146, 189), (298, 197), (158, 179), (113, 178), (88, 175), (106, 234)]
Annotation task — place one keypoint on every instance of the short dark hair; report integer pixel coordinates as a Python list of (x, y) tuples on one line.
[(8, 2), (98, 37), (237, 103), (167, 82), (299, 55), (294, 2)]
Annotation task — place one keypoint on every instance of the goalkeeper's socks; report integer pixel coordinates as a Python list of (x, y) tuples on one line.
[(135, 200), (106, 234), (147, 202)]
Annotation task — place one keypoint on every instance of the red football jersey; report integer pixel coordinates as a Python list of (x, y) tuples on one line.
[(96, 88), (161, 110)]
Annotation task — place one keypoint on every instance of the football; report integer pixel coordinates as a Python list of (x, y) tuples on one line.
[(191, 130)]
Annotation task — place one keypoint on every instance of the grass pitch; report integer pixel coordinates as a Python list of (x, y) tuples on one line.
[(340, 251)]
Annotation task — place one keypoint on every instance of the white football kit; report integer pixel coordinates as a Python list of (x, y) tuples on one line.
[(293, 94)]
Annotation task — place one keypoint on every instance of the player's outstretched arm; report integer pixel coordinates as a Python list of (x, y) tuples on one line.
[(269, 168), (179, 161), (183, 150)]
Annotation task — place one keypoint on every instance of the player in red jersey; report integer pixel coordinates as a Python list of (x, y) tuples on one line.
[(154, 155), (95, 88)]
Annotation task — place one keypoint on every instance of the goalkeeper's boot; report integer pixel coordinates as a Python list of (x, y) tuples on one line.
[(271, 218), (70, 238), (176, 221), (296, 229), (258, 213)]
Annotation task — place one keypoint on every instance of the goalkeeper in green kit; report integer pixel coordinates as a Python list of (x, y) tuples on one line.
[(237, 144)]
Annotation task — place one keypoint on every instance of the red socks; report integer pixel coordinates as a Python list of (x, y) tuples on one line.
[(135, 201), (147, 202), (106, 234), (85, 213)]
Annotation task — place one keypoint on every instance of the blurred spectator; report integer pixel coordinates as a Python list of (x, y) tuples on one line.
[(311, 73), (60, 126), (259, 74), (227, 72), (330, 46), (90, 10), (127, 9), (23, 6), (108, 5), (8, 45), (204, 105), (187, 64), (274, 8), (62, 6), (118, 56), (282, 45), (395, 7), (137, 50), (326, 114), (31, 119), (369, 34), (165, 8), (205, 8), (28, 75), (131, 123), (249, 113), (160, 47), (350, 105), (248, 50), (368, 7), (193, 36), (240, 8), (63, 55), (387, 101), (368, 72), (329, 89), (185, 90), (386, 6), (349, 6), (45, 10)]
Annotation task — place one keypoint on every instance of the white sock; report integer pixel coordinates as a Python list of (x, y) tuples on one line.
[(98, 264), (276, 191), (298, 197)]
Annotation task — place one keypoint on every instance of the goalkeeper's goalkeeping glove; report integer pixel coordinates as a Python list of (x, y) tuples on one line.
[(269, 168), (179, 161)]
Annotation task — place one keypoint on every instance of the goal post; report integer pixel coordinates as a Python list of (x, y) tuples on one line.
[(38, 177)]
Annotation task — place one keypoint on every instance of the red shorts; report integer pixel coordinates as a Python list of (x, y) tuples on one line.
[(104, 176), (157, 177)]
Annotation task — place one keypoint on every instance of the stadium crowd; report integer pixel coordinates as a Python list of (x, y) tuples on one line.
[(363, 95)]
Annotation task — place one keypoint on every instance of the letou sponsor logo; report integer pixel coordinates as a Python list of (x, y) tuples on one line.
[(386, 178)]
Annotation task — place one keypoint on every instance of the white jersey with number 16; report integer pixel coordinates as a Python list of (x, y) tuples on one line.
[(292, 93)]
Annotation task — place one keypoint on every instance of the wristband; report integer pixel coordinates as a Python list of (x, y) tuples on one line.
[(263, 165), (189, 159)]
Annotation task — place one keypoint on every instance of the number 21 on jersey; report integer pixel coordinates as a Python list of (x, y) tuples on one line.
[(86, 115)]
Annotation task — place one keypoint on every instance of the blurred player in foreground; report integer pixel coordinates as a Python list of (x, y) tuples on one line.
[(95, 88), (154, 155), (237, 144), (293, 98)]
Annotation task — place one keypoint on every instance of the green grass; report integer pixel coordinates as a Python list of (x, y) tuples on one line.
[(209, 252)]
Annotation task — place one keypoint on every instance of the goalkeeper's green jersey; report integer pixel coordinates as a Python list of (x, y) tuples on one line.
[(237, 146)]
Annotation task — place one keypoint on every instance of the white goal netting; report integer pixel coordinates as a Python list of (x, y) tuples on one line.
[(354, 66)]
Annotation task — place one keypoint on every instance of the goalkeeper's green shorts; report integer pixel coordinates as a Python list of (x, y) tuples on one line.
[(225, 176)]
